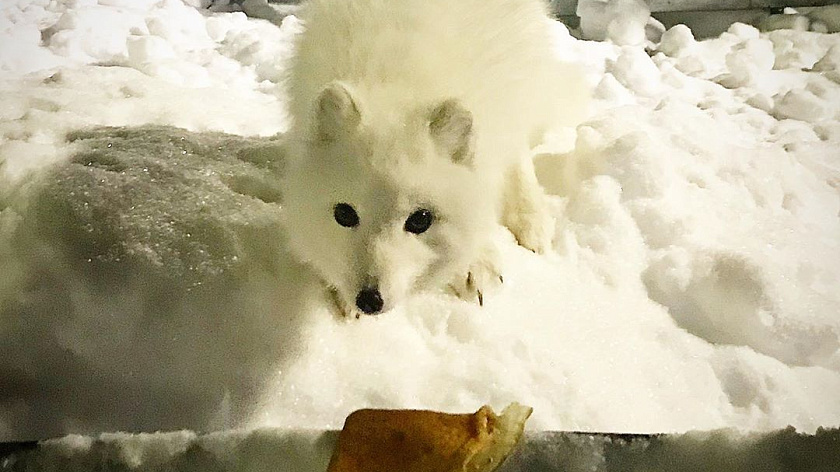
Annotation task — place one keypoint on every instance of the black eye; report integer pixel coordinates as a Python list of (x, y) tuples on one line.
[(419, 221), (345, 215)]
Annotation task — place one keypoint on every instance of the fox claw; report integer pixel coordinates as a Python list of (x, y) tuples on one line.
[(341, 308), (482, 278)]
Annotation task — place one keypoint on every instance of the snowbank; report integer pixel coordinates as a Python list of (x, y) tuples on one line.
[(822, 20), (144, 284)]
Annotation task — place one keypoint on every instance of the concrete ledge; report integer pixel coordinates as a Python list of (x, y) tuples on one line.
[(715, 5), (569, 7), (309, 451)]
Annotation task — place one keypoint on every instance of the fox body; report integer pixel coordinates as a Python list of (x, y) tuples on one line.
[(412, 125)]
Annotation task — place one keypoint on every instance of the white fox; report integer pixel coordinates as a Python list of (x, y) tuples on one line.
[(412, 126)]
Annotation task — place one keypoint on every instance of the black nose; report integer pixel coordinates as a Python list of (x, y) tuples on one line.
[(369, 301)]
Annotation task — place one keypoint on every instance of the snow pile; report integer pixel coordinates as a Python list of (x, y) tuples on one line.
[(621, 21), (83, 63), (824, 19), (145, 285), (147, 274), (182, 451)]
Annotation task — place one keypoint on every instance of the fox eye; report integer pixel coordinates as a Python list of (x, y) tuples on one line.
[(419, 221), (345, 215)]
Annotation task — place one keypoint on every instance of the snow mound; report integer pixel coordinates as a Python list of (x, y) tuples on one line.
[(181, 451), (825, 19), (143, 266), (623, 22)]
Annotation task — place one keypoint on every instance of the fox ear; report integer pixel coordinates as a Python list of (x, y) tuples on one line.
[(336, 112), (451, 126)]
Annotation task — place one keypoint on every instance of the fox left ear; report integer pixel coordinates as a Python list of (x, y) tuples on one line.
[(336, 111), (451, 126)]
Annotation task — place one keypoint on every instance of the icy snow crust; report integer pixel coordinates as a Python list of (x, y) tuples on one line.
[(144, 284)]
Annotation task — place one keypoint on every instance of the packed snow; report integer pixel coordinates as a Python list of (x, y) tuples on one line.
[(144, 284)]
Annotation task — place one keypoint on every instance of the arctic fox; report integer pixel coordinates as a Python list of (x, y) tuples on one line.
[(412, 125)]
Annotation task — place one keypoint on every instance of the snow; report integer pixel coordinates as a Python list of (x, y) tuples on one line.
[(145, 286), (621, 21), (256, 450), (822, 20)]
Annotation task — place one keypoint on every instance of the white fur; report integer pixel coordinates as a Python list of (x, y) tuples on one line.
[(389, 69)]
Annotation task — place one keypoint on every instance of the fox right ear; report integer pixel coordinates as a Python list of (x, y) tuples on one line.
[(336, 112), (451, 126)]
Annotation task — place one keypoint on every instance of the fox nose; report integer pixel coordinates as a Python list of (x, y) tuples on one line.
[(369, 301)]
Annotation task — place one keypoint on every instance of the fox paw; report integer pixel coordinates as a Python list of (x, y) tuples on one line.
[(482, 279)]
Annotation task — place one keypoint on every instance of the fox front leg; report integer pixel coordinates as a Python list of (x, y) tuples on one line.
[(526, 212)]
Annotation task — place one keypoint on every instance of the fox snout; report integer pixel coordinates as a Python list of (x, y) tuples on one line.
[(369, 300)]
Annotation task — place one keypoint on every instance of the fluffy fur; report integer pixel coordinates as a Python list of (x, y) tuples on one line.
[(420, 104)]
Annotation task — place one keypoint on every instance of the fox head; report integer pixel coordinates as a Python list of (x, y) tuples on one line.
[(382, 205)]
